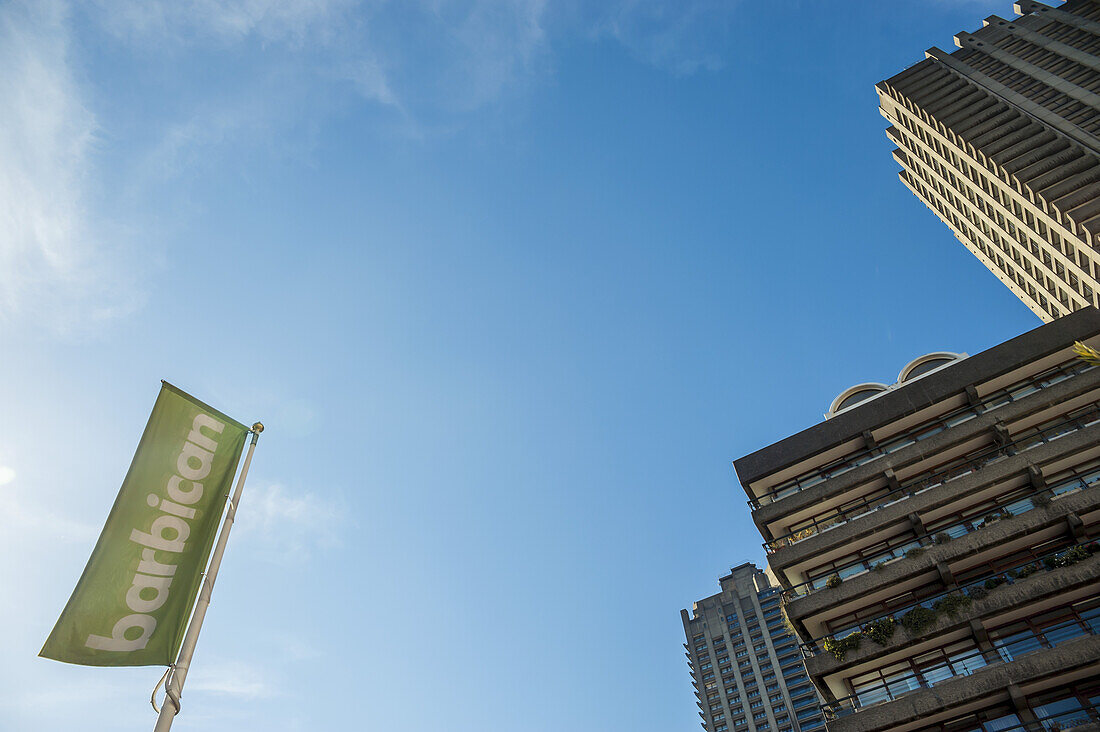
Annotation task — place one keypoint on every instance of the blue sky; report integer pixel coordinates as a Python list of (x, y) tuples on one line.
[(511, 285)]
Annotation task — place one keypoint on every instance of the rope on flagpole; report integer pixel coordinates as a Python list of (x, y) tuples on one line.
[(165, 679)]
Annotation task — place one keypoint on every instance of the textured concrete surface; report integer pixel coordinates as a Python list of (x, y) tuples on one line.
[(1042, 584), (924, 703), (998, 533)]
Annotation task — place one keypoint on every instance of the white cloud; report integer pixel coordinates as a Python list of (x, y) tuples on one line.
[(24, 518), (53, 265), (288, 525), (683, 36), (231, 678), (228, 21)]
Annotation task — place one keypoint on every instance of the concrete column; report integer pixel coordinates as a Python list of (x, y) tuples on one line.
[(1020, 703)]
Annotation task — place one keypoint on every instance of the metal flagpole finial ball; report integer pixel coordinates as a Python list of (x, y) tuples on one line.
[(258, 427)]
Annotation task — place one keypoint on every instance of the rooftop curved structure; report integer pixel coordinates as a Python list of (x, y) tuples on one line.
[(915, 369)]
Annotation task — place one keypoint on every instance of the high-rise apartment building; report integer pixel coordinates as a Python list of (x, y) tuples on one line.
[(936, 541), (745, 664), (1001, 139)]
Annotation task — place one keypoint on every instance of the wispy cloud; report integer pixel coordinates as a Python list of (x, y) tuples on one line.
[(227, 21), (24, 519), (231, 678), (54, 266), (289, 525), (683, 37), (426, 63)]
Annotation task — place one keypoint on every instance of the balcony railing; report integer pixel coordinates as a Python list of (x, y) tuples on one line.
[(1001, 510), (988, 583), (923, 431), (1063, 722), (1076, 420), (951, 667)]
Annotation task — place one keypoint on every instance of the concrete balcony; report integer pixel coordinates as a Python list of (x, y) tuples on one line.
[(865, 529), (1015, 531), (1078, 579), (813, 499), (1074, 659)]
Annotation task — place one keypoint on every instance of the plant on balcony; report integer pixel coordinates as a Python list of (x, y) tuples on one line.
[(991, 519), (977, 592), (878, 566), (951, 604), (994, 582), (838, 649), (774, 546), (918, 620), (805, 533), (1026, 571), (880, 631), (1072, 556), (941, 538), (834, 581), (1041, 499), (914, 552)]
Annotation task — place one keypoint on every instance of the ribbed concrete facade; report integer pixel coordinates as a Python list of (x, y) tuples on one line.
[(745, 664), (937, 541), (1001, 140)]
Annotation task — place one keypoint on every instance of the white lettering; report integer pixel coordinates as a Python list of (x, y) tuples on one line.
[(134, 596), (168, 532), (199, 438), (156, 538), (177, 494), (118, 641), (170, 507), (150, 565), (192, 452)]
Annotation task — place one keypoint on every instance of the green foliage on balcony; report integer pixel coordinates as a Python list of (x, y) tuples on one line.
[(838, 649), (880, 631)]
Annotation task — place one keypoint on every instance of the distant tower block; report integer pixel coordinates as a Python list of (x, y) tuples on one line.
[(745, 663)]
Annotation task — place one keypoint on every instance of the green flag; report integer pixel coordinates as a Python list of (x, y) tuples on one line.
[(131, 605)]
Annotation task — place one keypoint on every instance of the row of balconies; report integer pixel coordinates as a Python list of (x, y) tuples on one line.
[(983, 482), (800, 506), (1063, 516)]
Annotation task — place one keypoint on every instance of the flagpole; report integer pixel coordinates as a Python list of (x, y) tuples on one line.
[(174, 685)]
